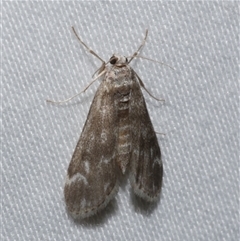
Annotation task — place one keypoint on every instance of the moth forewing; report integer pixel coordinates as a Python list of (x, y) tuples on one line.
[(92, 173), (146, 166)]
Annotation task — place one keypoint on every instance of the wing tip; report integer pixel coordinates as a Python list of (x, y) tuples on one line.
[(146, 195), (78, 212)]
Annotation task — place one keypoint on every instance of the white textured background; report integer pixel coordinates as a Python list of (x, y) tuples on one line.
[(43, 59)]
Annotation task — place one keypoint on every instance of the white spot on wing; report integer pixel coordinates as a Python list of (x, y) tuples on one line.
[(122, 128), (106, 186), (103, 136), (83, 203), (86, 164), (124, 145), (77, 177), (124, 136), (157, 161), (105, 160)]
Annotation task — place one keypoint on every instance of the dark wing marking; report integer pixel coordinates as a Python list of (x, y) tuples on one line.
[(146, 165), (92, 177)]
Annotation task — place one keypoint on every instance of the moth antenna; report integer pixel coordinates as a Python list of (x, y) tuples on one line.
[(143, 86), (140, 47), (63, 101), (153, 60), (89, 50)]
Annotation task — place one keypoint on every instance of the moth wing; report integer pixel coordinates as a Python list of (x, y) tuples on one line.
[(146, 165), (92, 176)]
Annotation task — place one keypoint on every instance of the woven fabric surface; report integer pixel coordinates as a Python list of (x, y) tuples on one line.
[(42, 59)]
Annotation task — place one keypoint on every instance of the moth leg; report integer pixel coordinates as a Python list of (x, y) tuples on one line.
[(63, 101), (143, 86), (159, 133)]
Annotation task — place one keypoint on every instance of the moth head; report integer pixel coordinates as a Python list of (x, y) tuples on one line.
[(118, 59)]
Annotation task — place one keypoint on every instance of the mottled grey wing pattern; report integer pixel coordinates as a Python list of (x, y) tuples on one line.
[(92, 176), (146, 165)]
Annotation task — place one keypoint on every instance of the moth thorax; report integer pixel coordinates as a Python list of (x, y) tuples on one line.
[(118, 59)]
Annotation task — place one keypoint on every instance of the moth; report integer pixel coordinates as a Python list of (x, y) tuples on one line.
[(118, 134)]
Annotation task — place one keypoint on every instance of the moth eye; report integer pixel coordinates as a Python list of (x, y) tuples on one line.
[(113, 60), (126, 60)]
